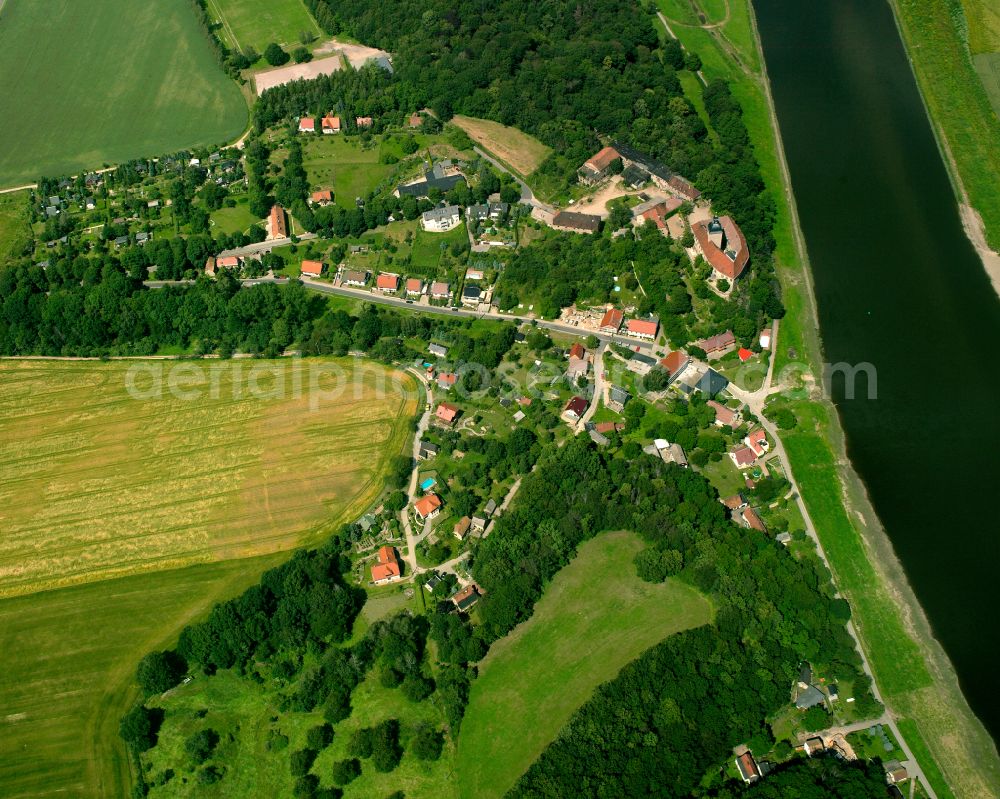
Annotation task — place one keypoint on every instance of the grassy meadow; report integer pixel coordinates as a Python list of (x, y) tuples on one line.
[(929, 698), (124, 519), (15, 229), (86, 84), (518, 150), (595, 617), (983, 29), (257, 23), (342, 164)]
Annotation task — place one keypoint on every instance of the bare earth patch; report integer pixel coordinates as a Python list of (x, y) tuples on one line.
[(522, 152), (282, 75), (357, 55)]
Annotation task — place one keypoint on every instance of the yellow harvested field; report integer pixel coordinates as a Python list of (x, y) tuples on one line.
[(520, 151), (96, 482)]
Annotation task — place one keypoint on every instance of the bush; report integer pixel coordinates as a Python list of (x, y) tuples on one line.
[(346, 771), (417, 688), (427, 743), (201, 744), (320, 736), (210, 775), (301, 55), (306, 787), (386, 751), (274, 55), (656, 565), (301, 761), (138, 728), (816, 718), (160, 671), (361, 743)]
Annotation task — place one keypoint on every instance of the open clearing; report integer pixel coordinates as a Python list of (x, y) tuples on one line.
[(270, 78), (595, 617), (96, 485), (15, 229), (257, 23), (518, 150), (85, 84)]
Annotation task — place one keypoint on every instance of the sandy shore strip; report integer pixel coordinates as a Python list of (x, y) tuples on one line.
[(974, 229)]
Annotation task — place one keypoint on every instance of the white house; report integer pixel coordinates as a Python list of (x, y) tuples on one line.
[(440, 220)]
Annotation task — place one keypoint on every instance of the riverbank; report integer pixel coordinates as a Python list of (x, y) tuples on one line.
[(963, 120), (917, 681)]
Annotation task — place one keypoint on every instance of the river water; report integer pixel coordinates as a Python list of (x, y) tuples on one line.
[(898, 285)]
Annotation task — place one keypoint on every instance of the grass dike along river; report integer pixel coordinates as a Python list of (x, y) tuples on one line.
[(925, 696)]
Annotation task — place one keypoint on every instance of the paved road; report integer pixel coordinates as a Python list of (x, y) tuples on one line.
[(527, 195), (410, 557), (599, 384)]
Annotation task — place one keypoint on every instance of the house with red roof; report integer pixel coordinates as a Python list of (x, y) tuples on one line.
[(718, 344), (577, 351), (744, 354), (575, 408), (748, 768), (724, 416), (414, 287), (612, 321), (387, 568), (446, 380), (722, 244), (757, 442), (675, 363), (440, 290), (598, 166), (277, 223), (415, 120), (752, 521), (322, 197), (387, 283), (447, 413), (657, 211), (743, 457), (467, 597), (311, 268), (307, 125), (428, 506), (330, 125), (643, 328)]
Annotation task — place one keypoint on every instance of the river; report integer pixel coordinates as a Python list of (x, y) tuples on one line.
[(898, 285)]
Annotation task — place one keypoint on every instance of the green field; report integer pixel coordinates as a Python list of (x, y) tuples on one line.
[(342, 164), (257, 23), (87, 84), (427, 252), (595, 617), (15, 229), (116, 502)]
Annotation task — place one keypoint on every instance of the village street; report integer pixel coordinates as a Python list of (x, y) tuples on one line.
[(599, 387)]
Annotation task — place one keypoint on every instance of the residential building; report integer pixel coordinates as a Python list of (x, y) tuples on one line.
[(643, 328), (656, 211), (462, 528), (748, 767), (447, 413), (752, 520), (467, 597), (490, 507), (415, 120), (307, 125), (428, 506), (311, 268), (895, 772), (478, 523), (440, 220), (474, 274), (322, 197), (355, 278), (471, 295), (598, 166), (675, 363), (640, 364), (765, 339), (658, 171), (575, 408), (443, 176), (438, 350), (387, 568), (577, 351), (810, 697), (735, 502), (783, 538), (277, 223), (814, 745), (612, 321), (634, 176), (609, 427), (743, 457), (724, 416), (427, 449), (718, 345), (364, 122), (414, 287), (683, 188), (722, 243), (387, 283), (330, 125), (744, 354), (757, 442), (447, 380), (572, 222), (440, 290)]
